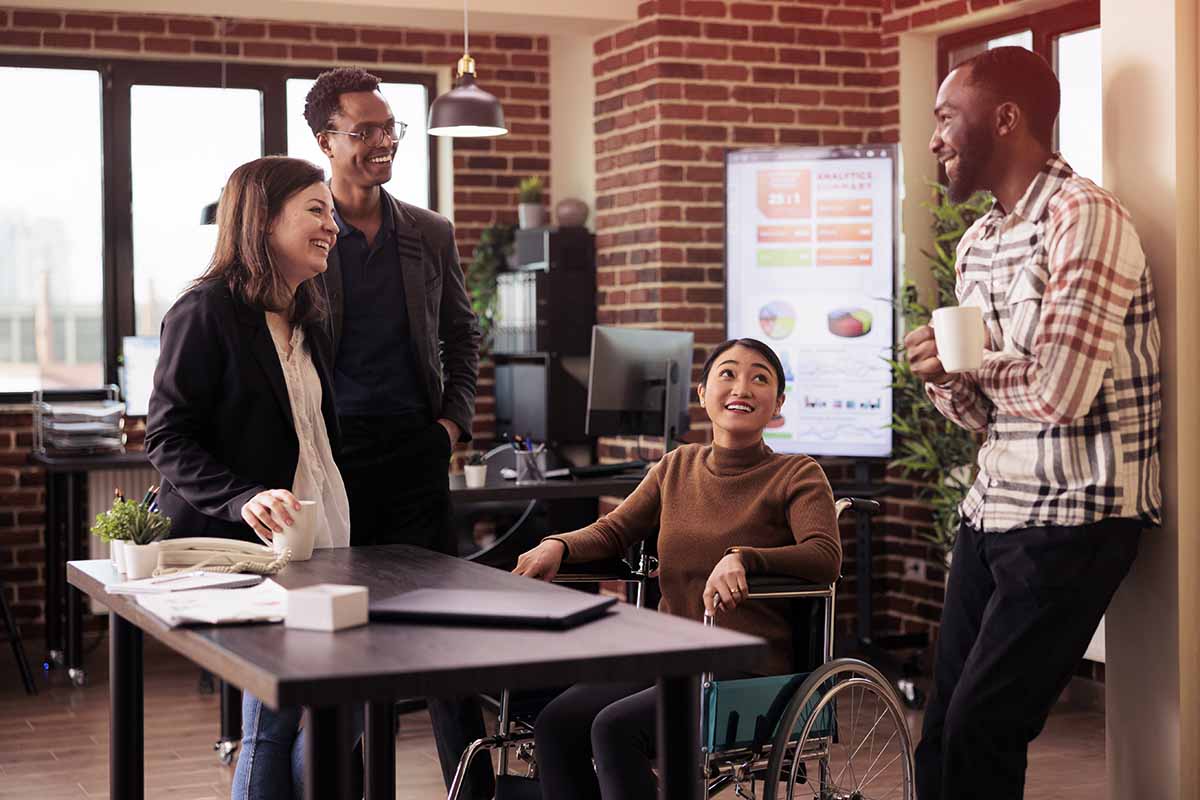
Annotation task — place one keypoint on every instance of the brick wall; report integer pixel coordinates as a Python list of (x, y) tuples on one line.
[(515, 68)]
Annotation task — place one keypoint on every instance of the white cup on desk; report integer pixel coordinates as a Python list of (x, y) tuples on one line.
[(475, 475), (301, 534), (958, 331)]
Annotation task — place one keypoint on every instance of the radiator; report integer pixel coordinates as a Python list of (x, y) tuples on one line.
[(101, 482)]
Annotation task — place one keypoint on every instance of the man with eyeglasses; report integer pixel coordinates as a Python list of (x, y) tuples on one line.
[(406, 353)]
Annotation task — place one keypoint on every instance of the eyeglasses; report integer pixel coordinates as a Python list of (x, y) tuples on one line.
[(373, 135)]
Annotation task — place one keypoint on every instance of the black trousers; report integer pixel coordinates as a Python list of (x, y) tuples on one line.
[(396, 474), (612, 723), (1020, 610)]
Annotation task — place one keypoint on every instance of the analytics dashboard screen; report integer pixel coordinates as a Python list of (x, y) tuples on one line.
[(810, 255)]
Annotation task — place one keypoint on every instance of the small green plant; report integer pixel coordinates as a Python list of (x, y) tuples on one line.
[(529, 190), (131, 522), (476, 459), (491, 256), (929, 447)]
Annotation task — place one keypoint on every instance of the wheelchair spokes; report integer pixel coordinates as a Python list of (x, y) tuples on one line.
[(866, 756)]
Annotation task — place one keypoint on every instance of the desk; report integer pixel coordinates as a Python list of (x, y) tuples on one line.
[(330, 673), (498, 489), (66, 484)]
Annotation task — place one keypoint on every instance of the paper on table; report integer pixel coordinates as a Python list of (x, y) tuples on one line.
[(185, 582), (266, 602)]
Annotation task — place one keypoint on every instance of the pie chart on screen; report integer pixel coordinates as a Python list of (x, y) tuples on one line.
[(849, 322), (778, 319)]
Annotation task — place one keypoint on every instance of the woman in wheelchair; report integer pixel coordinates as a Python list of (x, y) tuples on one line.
[(721, 511)]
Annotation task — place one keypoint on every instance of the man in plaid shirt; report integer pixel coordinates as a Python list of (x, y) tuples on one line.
[(1067, 401)]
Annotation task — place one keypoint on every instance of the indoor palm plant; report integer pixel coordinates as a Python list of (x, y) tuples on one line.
[(491, 255), (930, 448)]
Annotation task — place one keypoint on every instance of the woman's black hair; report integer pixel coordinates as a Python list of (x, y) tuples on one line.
[(754, 344)]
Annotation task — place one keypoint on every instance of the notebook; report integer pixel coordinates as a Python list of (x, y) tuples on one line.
[(473, 606)]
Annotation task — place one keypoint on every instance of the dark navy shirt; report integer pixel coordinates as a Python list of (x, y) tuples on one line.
[(375, 369)]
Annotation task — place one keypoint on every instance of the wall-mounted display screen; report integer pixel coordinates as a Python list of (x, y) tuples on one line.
[(810, 243)]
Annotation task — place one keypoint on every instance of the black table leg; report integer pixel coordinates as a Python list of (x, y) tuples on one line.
[(231, 722), (679, 738), (125, 743), (327, 754), (74, 528), (379, 751), (55, 569)]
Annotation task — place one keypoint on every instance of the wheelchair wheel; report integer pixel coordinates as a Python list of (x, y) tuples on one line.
[(854, 742)]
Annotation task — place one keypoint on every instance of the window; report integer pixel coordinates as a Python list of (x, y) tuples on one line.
[(1069, 38), (51, 241), (184, 142), (410, 104), (105, 229)]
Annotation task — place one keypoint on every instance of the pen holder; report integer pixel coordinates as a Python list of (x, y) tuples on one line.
[(530, 466)]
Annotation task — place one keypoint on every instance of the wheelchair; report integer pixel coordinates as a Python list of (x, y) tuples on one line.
[(837, 732)]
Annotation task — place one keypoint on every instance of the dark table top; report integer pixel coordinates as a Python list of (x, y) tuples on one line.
[(386, 660), (499, 489)]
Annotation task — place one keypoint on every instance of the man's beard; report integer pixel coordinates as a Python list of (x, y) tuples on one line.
[(973, 157)]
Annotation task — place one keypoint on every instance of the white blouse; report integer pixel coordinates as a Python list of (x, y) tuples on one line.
[(317, 477)]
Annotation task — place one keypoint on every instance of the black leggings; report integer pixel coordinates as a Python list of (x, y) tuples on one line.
[(612, 723)]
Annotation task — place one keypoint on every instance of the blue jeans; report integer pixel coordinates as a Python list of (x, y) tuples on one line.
[(271, 763)]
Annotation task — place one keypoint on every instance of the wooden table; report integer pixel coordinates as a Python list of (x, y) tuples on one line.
[(331, 673)]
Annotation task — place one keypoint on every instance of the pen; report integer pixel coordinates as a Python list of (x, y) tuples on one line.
[(148, 496)]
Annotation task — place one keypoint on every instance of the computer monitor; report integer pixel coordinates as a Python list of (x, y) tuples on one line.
[(639, 383), (139, 357)]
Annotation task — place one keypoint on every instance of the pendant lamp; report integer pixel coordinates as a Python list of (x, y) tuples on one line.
[(466, 110)]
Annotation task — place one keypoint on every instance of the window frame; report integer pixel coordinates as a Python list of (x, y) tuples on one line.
[(1046, 26), (117, 77)]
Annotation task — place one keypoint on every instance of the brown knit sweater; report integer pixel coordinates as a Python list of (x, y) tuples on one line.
[(778, 509)]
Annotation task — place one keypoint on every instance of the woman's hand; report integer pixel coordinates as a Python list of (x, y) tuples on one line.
[(541, 562), (267, 512), (726, 586)]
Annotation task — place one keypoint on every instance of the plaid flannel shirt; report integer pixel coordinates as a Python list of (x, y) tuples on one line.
[(1068, 395)]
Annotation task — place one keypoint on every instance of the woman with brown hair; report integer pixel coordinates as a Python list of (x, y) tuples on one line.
[(242, 421)]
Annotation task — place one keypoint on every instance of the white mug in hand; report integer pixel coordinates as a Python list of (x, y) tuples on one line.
[(301, 534), (959, 333)]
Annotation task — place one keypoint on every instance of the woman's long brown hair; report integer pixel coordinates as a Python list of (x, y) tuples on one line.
[(251, 199)]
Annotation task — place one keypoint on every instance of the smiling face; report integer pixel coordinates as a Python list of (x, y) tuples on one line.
[(740, 395), (350, 158), (302, 234), (963, 139)]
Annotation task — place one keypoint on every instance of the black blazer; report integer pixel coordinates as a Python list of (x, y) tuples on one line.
[(220, 426), (445, 330)]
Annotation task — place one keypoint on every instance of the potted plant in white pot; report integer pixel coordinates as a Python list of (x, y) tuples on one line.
[(530, 211), (136, 530)]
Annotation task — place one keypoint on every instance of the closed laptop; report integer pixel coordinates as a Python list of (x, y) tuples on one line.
[(482, 607)]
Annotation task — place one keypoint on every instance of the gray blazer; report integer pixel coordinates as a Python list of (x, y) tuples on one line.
[(444, 328)]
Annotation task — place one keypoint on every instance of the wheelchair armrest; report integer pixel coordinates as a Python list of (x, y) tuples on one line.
[(609, 569), (766, 585)]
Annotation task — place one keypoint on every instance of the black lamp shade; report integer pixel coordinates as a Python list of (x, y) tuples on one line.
[(466, 111)]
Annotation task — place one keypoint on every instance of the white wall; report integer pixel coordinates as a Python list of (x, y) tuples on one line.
[(1150, 139), (572, 136)]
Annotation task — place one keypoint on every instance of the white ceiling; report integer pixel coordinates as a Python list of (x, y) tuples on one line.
[(535, 17)]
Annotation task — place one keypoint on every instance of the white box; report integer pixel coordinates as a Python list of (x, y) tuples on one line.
[(326, 607)]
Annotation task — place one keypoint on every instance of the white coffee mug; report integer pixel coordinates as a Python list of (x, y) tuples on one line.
[(958, 331), (476, 475), (301, 534)]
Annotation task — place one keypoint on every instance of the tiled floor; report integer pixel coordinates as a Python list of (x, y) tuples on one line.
[(55, 745)]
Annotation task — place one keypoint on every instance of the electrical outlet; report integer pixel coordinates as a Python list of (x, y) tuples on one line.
[(914, 569)]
